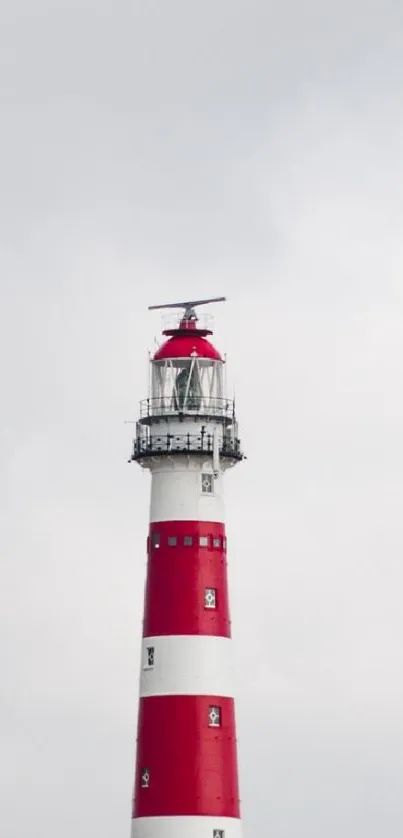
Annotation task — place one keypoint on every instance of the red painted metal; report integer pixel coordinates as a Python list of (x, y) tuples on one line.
[(184, 345), (177, 577), (193, 767)]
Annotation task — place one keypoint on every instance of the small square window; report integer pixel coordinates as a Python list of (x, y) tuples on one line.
[(149, 657), (188, 540), (214, 716), (172, 541), (207, 484), (203, 540), (155, 539), (218, 833), (145, 778), (210, 598), (217, 542)]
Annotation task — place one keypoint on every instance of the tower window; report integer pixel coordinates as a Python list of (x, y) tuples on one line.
[(207, 484), (155, 539), (188, 540), (214, 716), (150, 657), (218, 833), (145, 778), (172, 541), (203, 541), (217, 542), (210, 598)]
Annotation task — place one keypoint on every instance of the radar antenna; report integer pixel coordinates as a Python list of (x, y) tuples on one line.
[(189, 306)]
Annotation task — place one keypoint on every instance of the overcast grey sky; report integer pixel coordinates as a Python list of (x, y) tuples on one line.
[(155, 150)]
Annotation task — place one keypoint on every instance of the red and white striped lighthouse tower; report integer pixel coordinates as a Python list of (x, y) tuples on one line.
[(186, 780)]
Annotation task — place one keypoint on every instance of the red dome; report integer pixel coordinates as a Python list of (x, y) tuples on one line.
[(184, 346)]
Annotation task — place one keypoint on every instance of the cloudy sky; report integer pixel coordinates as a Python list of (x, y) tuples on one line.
[(156, 150)]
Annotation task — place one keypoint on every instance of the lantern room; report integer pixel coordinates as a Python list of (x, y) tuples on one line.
[(187, 409), (187, 371), (187, 376)]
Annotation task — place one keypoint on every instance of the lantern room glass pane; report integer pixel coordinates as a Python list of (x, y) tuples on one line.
[(187, 390), (187, 385)]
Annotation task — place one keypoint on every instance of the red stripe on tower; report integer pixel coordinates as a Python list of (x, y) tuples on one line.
[(186, 781), (189, 743), (187, 568)]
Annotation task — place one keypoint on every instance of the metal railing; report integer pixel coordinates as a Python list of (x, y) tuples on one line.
[(172, 406), (204, 322), (150, 445)]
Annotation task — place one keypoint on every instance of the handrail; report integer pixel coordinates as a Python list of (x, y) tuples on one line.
[(162, 406), (204, 322), (149, 445)]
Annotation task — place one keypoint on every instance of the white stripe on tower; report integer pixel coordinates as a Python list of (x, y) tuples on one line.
[(186, 665), (176, 492), (187, 827)]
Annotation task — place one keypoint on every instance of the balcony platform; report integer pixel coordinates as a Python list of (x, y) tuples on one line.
[(168, 444)]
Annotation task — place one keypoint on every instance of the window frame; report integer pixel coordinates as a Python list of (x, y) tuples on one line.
[(155, 540), (145, 783), (215, 708), (146, 660), (206, 605), (203, 476)]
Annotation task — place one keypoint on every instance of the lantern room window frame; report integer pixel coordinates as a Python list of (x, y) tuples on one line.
[(187, 385)]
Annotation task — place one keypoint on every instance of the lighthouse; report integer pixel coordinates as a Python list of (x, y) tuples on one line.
[(186, 773)]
